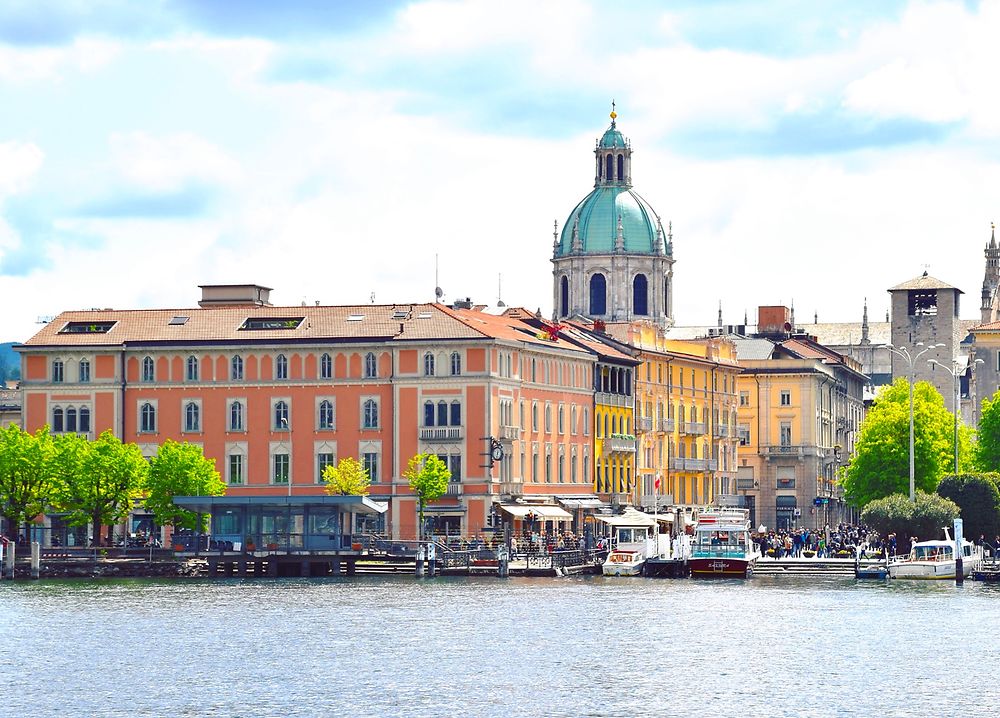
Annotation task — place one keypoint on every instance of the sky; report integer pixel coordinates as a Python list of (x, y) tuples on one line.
[(810, 153)]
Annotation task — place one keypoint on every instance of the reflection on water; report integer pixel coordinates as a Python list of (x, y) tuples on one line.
[(382, 646)]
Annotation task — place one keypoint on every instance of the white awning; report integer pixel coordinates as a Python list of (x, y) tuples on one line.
[(582, 502), (541, 511), (631, 517)]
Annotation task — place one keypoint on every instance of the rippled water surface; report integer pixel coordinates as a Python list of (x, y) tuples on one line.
[(381, 646)]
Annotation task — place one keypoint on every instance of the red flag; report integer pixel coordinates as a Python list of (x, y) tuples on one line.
[(656, 484)]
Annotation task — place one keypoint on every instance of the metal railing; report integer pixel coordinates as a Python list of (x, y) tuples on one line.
[(510, 433), (620, 445), (693, 427), (644, 423), (454, 488), (449, 433), (667, 425)]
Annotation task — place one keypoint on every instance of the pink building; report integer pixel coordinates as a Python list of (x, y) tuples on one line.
[(275, 394)]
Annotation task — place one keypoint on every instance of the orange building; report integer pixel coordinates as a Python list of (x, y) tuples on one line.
[(275, 394)]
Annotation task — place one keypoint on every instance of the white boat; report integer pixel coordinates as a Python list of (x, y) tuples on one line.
[(936, 560), (722, 544), (636, 536)]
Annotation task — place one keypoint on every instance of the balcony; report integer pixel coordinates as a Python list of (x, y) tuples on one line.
[(622, 400), (695, 464), (696, 428), (454, 488), (619, 445), (667, 425), (442, 433), (644, 424), (794, 450), (745, 484), (510, 433), (676, 463), (722, 431), (512, 488)]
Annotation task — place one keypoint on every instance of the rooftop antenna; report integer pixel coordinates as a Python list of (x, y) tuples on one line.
[(500, 304), (371, 297), (438, 292)]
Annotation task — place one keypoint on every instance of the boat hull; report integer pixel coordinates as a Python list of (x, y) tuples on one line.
[(929, 571), (622, 569), (715, 566)]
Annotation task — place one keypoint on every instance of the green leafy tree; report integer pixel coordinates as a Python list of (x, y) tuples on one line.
[(428, 477), (25, 475), (99, 479), (347, 478), (987, 449), (881, 463), (978, 498), (180, 470), (923, 518)]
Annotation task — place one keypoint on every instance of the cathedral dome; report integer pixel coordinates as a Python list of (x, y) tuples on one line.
[(594, 223), (612, 138)]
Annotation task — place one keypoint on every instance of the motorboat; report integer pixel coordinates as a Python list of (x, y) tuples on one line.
[(722, 545), (636, 537), (936, 560)]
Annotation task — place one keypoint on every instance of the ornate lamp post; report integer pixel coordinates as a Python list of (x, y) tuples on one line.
[(911, 360)]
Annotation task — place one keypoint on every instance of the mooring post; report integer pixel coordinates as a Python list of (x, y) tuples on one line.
[(431, 560), (3, 545), (36, 559), (9, 560), (419, 571), (959, 568)]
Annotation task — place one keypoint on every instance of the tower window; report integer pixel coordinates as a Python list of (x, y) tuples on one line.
[(922, 304), (621, 168), (640, 294), (609, 167), (598, 295), (564, 297)]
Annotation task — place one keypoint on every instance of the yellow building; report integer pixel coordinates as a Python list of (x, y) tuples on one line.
[(686, 417)]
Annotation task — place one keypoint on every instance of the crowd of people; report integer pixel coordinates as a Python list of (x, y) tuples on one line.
[(842, 541)]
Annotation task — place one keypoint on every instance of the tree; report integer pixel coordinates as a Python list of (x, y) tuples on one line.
[(428, 477), (987, 449), (99, 479), (25, 475), (923, 518), (347, 478), (180, 470), (978, 498), (881, 463)]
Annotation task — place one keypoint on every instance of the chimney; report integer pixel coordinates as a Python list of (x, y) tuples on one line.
[(228, 295)]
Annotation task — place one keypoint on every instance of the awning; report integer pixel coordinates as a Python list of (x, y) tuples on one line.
[(541, 511), (631, 517), (583, 502), (210, 504)]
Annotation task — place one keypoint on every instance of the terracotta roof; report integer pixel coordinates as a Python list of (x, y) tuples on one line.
[(924, 281), (398, 322), (508, 327)]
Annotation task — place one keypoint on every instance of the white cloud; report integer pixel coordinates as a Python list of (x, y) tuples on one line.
[(19, 163), (170, 162)]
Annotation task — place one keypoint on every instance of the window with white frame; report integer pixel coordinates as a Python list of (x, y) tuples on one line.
[(192, 416), (561, 419), (281, 367), (325, 367), (237, 416), (83, 371), (192, 368), (281, 415), (428, 364), (369, 460), (325, 418), (369, 414), (236, 368), (323, 460), (371, 366), (58, 370), (235, 470), (84, 420), (148, 369), (456, 364), (147, 418), (548, 418), (281, 469), (786, 398)]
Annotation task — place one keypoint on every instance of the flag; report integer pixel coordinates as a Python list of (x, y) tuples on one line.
[(656, 484)]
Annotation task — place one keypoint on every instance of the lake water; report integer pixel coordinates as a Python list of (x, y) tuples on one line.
[(393, 646)]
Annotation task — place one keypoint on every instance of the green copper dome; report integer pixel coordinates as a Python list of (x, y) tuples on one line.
[(612, 138), (595, 222)]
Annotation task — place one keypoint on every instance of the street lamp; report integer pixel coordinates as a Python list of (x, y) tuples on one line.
[(955, 374), (288, 478), (911, 360)]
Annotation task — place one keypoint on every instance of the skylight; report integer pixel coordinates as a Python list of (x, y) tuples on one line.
[(178, 320), (268, 323), (355, 317), (87, 327)]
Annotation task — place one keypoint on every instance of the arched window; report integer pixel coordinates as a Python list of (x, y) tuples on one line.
[(71, 420), (371, 366), (428, 413), (57, 370), (84, 370), (192, 368), (428, 364), (147, 418), (621, 168), (598, 295), (325, 414), (191, 417), (609, 168), (57, 419), (325, 367), (640, 295), (456, 413), (442, 414), (370, 417), (281, 367), (564, 297), (148, 369), (236, 368), (84, 420), (236, 416), (280, 415), (456, 363)]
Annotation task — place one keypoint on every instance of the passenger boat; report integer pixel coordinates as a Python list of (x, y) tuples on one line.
[(624, 563), (936, 560), (722, 545), (637, 537)]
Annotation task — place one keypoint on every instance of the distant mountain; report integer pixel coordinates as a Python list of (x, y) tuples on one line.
[(10, 361)]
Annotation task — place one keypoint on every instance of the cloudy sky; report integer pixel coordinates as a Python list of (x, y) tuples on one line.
[(812, 152)]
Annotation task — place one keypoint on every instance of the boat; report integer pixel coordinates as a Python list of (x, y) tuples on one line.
[(722, 545), (637, 537), (936, 560)]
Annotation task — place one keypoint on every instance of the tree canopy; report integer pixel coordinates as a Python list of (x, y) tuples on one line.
[(179, 470), (428, 477), (923, 518), (347, 478), (987, 451), (881, 464), (978, 498), (25, 474), (99, 479)]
